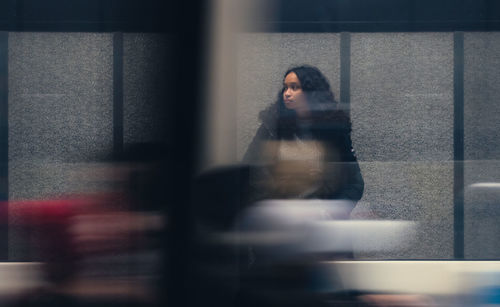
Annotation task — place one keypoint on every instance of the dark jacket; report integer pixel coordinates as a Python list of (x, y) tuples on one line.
[(333, 130)]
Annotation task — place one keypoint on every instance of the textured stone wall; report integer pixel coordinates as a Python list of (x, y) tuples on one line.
[(60, 108), (61, 112), (402, 114), (482, 144)]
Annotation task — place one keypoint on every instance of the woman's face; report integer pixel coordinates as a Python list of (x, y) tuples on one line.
[(293, 96)]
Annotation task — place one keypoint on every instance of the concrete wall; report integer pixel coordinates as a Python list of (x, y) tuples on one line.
[(482, 145), (60, 107), (402, 114), (61, 112)]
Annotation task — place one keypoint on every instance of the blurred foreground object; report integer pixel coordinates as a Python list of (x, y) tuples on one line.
[(90, 249), (105, 246)]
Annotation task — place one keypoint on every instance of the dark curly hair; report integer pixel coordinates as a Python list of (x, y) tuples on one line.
[(323, 107)]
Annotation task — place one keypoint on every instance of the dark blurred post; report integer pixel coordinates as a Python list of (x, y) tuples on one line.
[(188, 24), (4, 146)]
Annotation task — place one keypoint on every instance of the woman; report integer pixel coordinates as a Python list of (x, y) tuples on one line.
[(305, 139)]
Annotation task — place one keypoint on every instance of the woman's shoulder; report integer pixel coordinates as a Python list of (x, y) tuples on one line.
[(336, 119)]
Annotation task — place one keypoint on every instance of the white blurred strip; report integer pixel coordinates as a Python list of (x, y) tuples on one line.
[(19, 277), (415, 277), (329, 236), (495, 185)]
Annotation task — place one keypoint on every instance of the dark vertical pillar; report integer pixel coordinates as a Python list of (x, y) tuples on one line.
[(117, 93), (345, 68), (4, 143), (458, 144), (189, 26)]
